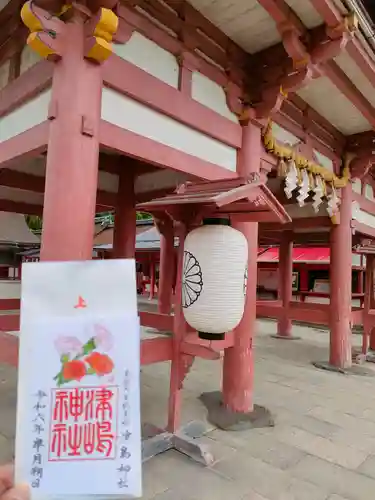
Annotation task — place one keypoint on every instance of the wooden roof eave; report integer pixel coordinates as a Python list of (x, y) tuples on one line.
[(245, 199)]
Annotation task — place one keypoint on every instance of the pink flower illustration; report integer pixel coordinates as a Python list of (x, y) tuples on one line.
[(68, 345), (103, 338)]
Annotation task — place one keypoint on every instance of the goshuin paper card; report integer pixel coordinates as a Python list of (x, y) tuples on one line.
[(78, 415)]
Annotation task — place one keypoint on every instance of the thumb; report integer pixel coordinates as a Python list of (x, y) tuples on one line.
[(19, 492)]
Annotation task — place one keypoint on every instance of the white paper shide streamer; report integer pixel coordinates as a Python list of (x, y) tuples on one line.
[(213, 280), (333, 202), (291, 180), (318, 193), (304, 188)]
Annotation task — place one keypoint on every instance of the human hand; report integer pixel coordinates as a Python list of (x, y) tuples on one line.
[(8, 491)]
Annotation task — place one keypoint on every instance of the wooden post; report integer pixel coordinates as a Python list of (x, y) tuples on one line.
[(125, 216), (284, 325), (341, 285), (360, 282), (166, 268), (180, 363), (368, 305), (238, 365), (303, 282), (73, 151), (152, 278)]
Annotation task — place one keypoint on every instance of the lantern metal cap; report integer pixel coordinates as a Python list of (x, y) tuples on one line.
[(216, 221), (211, 336), (240, 199)]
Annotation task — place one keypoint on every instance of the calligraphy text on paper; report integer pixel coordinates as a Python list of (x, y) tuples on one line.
[(83, 423)]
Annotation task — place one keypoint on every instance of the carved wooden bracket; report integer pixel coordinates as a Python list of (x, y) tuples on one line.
[(163, 223), (45, 31), (271, 102), (273, 97), (294, 46), (349, 25), (187, 60), (47, 27), (361, 165), (124, 32), (234, 97), (99, 32), (327, 48)]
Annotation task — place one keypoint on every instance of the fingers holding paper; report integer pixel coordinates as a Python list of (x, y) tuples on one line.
[(8, 491)]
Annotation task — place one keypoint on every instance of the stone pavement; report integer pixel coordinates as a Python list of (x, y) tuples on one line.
[(322, 448)]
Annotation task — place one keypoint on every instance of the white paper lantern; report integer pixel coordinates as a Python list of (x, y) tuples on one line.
[(213, 279)]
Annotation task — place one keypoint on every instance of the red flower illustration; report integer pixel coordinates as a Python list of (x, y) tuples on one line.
[(100, 363), (74, 370)]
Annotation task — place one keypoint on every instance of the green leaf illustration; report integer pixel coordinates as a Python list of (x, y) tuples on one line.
[(89, 346)]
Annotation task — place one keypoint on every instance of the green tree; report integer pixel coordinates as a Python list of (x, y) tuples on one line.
[(35, 222)]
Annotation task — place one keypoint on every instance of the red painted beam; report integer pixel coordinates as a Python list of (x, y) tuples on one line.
[(363, 140), (10, 304), (286, 18), (35, 183), (21, 180), (305, 223), (20, 208), (162, 322), (9, 322), (104, 198), (157, 95), (28, 85), (156, 350), (29, 144), (328, 12), (350, 91), (359, 227), (363, 60), (139, 147), (313, 122), (333, 17), (364, 203), (283, 15), (13, 45)]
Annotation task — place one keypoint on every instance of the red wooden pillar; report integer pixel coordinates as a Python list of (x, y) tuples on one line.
[(303, 282), (180, 363), (360, 282), (368, 305), (152, 278), (166, 269), (73, 149), (284, 325), (238, 365), (125, 216), (341, 285)]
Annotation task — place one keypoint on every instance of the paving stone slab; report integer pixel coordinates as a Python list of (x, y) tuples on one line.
[(335, 479), (322, 447)]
